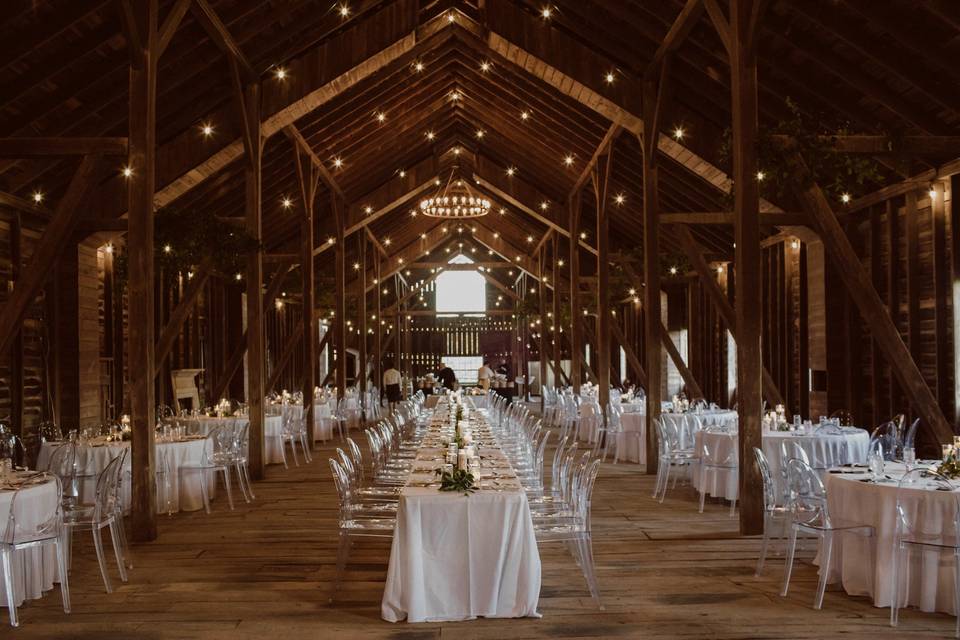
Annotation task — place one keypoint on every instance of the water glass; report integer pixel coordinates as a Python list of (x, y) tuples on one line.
[(909, 457), (946, 450), (876, 466)]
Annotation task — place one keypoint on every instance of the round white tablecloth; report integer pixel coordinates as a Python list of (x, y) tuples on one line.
[(632, 442), (824, 451), (34, 570), (184, 492), (864, 566), (272, 431)]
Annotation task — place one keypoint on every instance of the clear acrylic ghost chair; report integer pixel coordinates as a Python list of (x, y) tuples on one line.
[(673, 459), (810, 514), (717, 461), (574, 529), (212, 461), (909, 439), (888, 436), (774, 510), (98, 516), (42, 527), (913, 533), (352, 524)]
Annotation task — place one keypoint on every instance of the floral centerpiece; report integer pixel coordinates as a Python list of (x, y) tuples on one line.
[(950, 467)]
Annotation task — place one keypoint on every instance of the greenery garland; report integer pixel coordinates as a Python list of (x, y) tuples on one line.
[(182, 238), (814, 139)]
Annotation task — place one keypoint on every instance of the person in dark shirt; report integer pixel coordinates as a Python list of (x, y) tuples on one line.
[(447, 377)]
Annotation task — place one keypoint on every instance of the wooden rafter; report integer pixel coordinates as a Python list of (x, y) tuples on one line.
[(61, 147)]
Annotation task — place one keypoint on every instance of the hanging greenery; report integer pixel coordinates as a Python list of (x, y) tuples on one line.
[(814, 138), (182, 238)]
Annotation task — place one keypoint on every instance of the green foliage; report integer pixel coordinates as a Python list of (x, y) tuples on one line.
[(184, 237), (814, 138), (460, 480)]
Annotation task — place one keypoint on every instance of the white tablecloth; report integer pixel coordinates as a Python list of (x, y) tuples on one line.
[(184, 492), (824, 451), (272, 430), (457, 557), (864, 566), (34, 570), (632, 443)]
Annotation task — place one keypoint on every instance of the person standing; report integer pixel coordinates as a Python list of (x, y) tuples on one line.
[(391, 385), (484, 374), (447, 377)]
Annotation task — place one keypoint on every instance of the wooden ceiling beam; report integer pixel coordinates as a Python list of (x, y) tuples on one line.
[(220, 34), (677, 33), (886, 145), (294, 134), (61, 147), (24, 205), (170, 24), (602, 148), (726, 217)]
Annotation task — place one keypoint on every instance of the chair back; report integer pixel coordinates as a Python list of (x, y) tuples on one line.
[(718, 448), (107, 493), (770, 498), (914, 509), (888, 438), (805, 494), (40, 519), (909, 440)]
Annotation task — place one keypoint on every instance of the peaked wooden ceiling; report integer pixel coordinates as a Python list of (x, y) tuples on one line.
[(63, 65)]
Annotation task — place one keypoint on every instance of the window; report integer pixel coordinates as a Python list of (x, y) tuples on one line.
[(465, 367), (461, 291)]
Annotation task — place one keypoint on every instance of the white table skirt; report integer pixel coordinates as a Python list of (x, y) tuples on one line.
[(323, 421), (185, 492), (865, 566), (34, 570), (824, 452), (632, 443), (458, 557), (272, 431)]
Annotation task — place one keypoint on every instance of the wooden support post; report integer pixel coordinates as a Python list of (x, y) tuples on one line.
[(249, 99), (140, 294), (308, 179), (557, 292), (362, 315), (855, 278), (601, 185), (576, 330), (542, 329), (16, 346), (378, 330), (941, 291), (955, 287), (632, 358), (180, 314), (743, 80), (285, 355), (340, 271), (652, 94)]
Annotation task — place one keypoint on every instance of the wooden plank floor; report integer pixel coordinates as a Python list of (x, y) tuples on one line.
[(265, 570)]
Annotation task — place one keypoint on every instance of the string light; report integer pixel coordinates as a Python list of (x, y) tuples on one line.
[(795, 244), (127, 171), (560, 262), (568, 160), (431, 135), (511, 171), (544, 205), (418, 66), (720, 269), (37, 197), (481, 133), (368, 209), (933, 194), (760, 176), (503, 211), (529, 239), (678, 133), (287, 203), (633, 292), (546, 12), (278, 304), (583, 235), (845, 198), (673, 271), (620, 198), (524, 115), (496, 234), (356, 266), (451, 17), (167, 248), (206, 129), (280, 73), (238, 277), (485, 66), (109, 249), (456, 151), (455, 95), (381, 117), (386, 242), (610, 77), (330, 240), (344, 10)]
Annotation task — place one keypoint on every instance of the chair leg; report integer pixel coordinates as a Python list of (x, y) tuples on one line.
[(246, 474), (343, 551), (766, 543), (956, 591), (703, 486), (895, 586), (203, 490), (226, 481), (241, 481), (586, 546), (788, 565), (293, 448), (826, 557), (122, 534), (118, 550), (98, 544), (8, 585), (64, 578)]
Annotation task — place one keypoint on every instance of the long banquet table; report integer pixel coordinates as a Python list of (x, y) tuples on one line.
[(459, 557)]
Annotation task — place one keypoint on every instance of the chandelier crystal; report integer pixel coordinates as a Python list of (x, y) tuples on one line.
[(455, 201)]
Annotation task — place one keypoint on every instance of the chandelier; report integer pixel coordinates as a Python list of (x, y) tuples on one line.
[(455, 200)]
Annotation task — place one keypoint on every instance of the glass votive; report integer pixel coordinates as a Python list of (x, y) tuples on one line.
[(946, 450)]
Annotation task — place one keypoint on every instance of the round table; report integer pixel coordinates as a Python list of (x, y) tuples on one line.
[(184, 492), (864, 566), (34, 570), (824, 451), (632, 442)]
